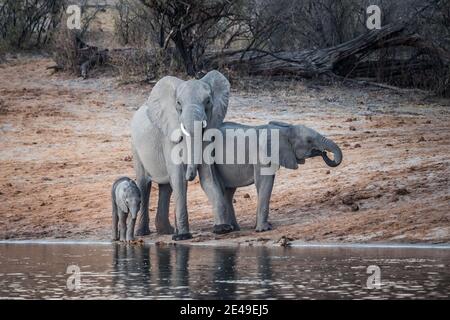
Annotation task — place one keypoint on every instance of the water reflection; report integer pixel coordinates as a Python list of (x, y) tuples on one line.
[(119, 271), (265, 271), (225, 272), (182, 271), (131, 269)]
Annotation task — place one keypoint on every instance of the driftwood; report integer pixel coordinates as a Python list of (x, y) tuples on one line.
[(83, 58), (314, 62), (96, 58), (351, 59), (371, 83), (89, 56)]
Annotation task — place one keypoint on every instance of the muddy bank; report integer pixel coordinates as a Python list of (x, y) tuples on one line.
[(63, 141)]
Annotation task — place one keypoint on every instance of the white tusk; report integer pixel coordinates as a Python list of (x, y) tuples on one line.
[(183, 129), (204, 123)]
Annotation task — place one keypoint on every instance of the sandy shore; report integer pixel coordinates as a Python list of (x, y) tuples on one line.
[(64, 140)]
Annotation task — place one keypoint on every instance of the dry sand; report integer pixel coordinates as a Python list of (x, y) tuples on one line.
[(64, 140)]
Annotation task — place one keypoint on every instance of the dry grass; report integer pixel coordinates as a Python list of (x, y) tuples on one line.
[(140, 65)]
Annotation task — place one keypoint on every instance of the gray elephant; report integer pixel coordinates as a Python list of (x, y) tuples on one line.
[(296, 143), (126, 199), (176, 104)]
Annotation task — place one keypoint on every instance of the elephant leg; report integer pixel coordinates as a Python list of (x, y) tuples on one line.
[(122, 225), (115, 221), (162, 222), (229, 194), (264, 186), (179, 187), (209, 180), (130, 229), (144, 184)]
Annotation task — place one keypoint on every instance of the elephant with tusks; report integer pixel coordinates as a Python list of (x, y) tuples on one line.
[(176, 105), (295, 144)]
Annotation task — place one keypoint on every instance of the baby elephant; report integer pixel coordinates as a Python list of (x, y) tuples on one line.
[(296, 143), (126, 198)]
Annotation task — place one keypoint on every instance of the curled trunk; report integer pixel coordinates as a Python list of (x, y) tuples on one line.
[(329, 145)]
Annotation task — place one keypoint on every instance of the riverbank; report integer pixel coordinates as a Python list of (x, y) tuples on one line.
[(214, 243), (64, 140)]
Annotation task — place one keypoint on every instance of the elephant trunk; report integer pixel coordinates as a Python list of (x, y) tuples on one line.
[(192, 116), (134, 209), (193, 120), (329, 145)]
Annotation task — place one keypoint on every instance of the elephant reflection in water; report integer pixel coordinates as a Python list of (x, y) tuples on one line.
[(228, 282), (132, 271), (265, 271), (173, 280), (134, 274), (224, 278), (164, 271)]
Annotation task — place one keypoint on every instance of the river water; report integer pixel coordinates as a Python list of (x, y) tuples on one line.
[(109, 271)]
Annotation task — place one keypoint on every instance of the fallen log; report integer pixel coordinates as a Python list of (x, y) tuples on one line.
[(96, 58), (88, 56), (314, 62)]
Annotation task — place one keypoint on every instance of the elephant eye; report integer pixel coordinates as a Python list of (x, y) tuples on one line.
[(308, 140), (178, 106)]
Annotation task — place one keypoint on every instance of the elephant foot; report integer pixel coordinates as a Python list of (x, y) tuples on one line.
[(184, 236), (167, 229), (236, 227), (142, 232), (222, 228), (266, 226)]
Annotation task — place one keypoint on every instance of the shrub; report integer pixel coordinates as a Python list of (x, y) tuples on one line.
[(64, 48), (138, 65), (26, 24)]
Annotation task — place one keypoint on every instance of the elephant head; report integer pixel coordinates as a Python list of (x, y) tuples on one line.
[(132, 200), (134, 205), (298, 143), (176, 104)]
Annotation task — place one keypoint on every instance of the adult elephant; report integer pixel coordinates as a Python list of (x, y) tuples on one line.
[(175, 104)]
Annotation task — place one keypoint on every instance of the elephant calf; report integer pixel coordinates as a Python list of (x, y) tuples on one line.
[(296, 143), (126, 198)]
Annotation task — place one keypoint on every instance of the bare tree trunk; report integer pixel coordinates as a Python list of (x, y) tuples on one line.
[(185, 54)]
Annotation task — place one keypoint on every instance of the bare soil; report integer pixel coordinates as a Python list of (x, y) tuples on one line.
[(64, 140)]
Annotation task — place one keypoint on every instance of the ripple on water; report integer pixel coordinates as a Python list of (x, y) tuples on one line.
[(112, 272)]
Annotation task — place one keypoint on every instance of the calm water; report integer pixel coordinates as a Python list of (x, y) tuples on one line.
[(117, 271)]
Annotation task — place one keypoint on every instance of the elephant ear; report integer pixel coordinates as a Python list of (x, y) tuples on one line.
[(220, 88), (287, 156), (161, 105), (279, 124)]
